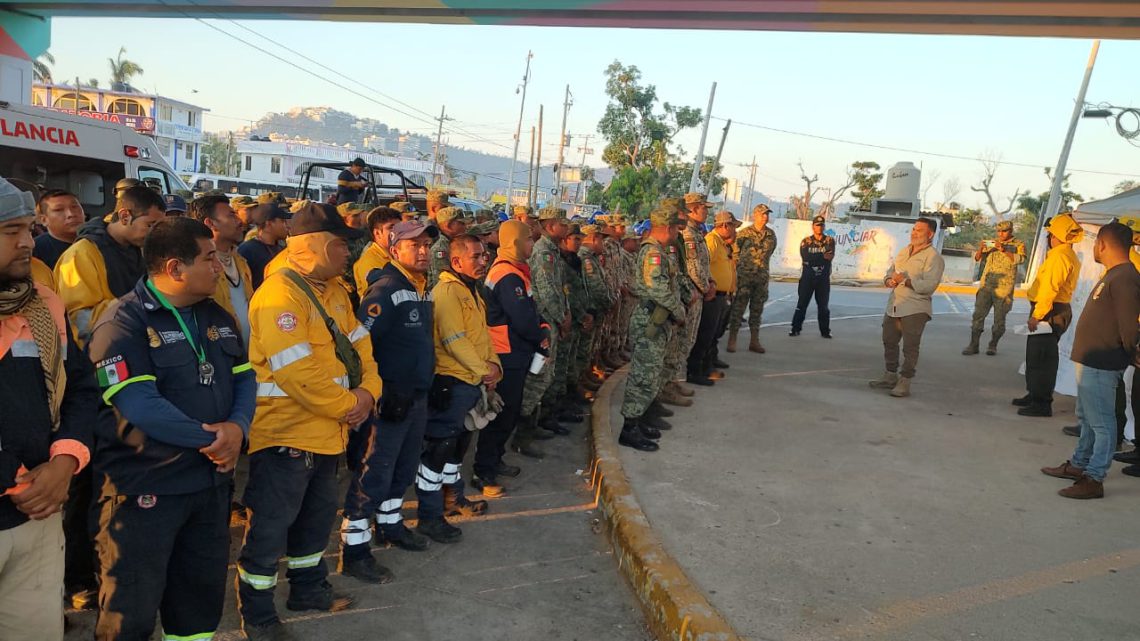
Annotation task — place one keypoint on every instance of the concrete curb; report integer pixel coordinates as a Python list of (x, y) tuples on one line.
[(674, 608)]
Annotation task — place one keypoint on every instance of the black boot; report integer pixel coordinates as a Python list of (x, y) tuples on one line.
[(455, 504), (320, 597), (547, 421), (631, 436), (537, 433), (1036, 409), (659, 410), (656, 422), (525, 434), (402, 538), (365, 569), (719, 364), (1024, 401), (440, 531), (697, 378), (273, 631)]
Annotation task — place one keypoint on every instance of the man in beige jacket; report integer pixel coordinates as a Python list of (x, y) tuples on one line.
[(912, 279)]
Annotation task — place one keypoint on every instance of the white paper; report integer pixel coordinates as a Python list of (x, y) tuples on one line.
[(1042, 328)]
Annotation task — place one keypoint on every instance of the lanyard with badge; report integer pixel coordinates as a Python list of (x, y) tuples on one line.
[(205, 368)]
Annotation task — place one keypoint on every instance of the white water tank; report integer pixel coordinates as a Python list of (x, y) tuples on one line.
[(904, 181)]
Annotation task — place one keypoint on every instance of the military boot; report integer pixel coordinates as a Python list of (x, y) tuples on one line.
[(525, 433), (273, 631), (657, 409), (887, 381), (680, 389), (548, 422), (901, 388), (650, 421), (455, 504), (631, 436), (732, 341), (972, 348), (319, 597), (669, 396), (754, 342), (991, 349)]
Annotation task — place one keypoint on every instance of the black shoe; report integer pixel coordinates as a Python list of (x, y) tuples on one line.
[(656, 422), (509, 471), (631, 436), (794, 332), (366, 569), (699, 379), (440, 531), (555, 428), (1072, 430), (1024, 401), (1036, 409), (651, 433), (1131, 470), (275, 631), (1128, 458), (719, 363), (827, 335), (571, 417), (657, 409), (322, 598), (528, 450), (403, 538)]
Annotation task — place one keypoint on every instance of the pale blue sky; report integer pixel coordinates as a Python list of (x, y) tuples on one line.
[(954, 95)]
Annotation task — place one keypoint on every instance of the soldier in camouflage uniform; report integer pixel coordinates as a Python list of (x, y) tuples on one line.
[(615, 268), (697, 268), (630, 243), (548, 282), (353, 215), (675, 355), (560, 406), (451, 224), (659, 315), (600, 299), (436, 200), (407, 210), (754, 248), (1002, 257)]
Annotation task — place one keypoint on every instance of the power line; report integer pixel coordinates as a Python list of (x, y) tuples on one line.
[(917, 151)]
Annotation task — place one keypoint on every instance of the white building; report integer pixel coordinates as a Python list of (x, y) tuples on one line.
[(176, 126), (284, 162)]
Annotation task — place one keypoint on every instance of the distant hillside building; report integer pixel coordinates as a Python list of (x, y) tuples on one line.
[(176, 126), (284, 161)]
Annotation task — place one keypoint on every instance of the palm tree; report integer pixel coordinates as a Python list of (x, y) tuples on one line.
[(41, 67), (122, 71)]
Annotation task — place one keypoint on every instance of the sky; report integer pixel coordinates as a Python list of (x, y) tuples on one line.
[(958, 96)]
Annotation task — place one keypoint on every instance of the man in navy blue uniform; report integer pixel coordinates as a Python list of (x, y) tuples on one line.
[(397, 311), (349, 184), (817, 251), (172, 364)]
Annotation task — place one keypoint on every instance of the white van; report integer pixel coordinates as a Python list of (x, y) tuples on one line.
[(81, 154)]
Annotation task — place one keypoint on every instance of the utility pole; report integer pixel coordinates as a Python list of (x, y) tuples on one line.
[(530, 171), (518, 130), (585, 149), (538, 158), (719, 151), (751, 186), (562, 146), (437, 169), (1054, 204), (701, 147)]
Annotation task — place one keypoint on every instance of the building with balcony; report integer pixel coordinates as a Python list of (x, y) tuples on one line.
[(176, 126), (285, 161)]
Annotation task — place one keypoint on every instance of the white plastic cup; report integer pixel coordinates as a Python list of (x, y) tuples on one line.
[(537, 363)]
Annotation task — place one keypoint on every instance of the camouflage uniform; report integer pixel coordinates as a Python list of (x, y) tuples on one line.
[(600, 301), (657, 285), (612, 276), (630, 300), (697, 269), (566, 361), (441, 249), (754, 249), (996, 290), (548, 283), (675, 356)]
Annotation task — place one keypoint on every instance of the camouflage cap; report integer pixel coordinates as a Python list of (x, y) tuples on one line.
[(677, 204), (1005, 225), (725, 217), (348, 209), (270, 197), (575, 230), (552, 213), (438, 196), (484, 228), (590, 229), (484, 214), (403, 206), (242, 201), (665, 214), (618, 219), (448, 214), (524, 210), (296, 206), (761, 209), (694, 198)]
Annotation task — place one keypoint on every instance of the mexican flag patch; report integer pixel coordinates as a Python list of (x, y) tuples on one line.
[(654, 260), (111, 372)]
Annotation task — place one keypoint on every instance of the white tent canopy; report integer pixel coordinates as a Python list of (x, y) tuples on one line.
[(1099, 212)]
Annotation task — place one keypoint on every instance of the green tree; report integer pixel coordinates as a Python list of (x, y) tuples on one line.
[(867, 178), (971, 229), (1029, 207), (41, 67), (219, 155), (636, 133), (122, 71)]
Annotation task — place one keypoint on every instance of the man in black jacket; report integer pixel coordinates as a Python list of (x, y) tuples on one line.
[(45, 431), (817, 251)]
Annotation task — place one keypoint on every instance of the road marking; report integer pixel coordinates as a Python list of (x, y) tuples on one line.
[(814, 371), (534, 583), (839, 318), (903, 614), (953, 303)]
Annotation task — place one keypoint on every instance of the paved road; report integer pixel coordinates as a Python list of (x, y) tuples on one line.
[(810, 507), (536, 567)]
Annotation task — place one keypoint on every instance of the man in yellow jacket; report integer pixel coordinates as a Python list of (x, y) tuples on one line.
[(380, 223), (466, 372), (106, 261), (315, 382), (1049, 297)]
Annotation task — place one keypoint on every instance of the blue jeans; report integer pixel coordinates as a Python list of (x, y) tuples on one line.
[(1096, 413)]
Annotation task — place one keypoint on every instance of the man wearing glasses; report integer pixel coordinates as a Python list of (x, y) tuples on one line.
[(817, 252)]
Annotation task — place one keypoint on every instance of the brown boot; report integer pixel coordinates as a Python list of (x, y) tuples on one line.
[(1065, 470), (680, 389), (754, 343), (732, 341), (1084, 488), (671, 397)]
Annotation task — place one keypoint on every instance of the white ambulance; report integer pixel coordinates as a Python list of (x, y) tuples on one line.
[(85, 155)]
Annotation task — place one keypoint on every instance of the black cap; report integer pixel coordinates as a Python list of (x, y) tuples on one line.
[(818, 220), (261, 214), (317, 217), (358, 162)]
